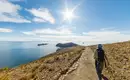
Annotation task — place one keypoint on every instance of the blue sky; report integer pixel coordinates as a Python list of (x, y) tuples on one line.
[(92, 21)]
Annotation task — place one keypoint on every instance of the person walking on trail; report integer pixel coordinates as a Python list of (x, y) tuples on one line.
[(100, 60)]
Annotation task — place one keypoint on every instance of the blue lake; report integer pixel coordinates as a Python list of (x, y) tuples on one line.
[(15, 53)]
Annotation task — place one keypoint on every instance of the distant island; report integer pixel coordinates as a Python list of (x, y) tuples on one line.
[(42, 44), (65, 45)]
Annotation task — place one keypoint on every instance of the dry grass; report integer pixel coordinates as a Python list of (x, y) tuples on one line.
[(50, 67), (119, 57)]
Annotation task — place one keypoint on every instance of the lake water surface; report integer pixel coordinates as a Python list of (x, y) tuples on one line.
[(15, 53)]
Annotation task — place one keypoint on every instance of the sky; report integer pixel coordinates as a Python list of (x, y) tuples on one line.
[(95, 21)]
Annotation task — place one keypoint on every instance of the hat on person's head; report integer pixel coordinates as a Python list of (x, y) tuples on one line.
[(99, 46)]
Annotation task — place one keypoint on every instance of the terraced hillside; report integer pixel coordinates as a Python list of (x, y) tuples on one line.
[(119, 58)]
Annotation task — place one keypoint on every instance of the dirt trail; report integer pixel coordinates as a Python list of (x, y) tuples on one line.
[(83, 69)]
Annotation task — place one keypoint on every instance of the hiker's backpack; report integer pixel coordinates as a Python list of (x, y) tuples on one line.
[(100, 54)]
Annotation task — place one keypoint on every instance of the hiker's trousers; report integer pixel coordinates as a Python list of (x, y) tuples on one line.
[(99, 68)]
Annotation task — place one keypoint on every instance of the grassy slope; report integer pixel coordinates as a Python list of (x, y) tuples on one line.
[(50, 67), (119, 58)]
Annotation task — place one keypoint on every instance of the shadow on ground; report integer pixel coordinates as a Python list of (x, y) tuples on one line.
[(104, 78)]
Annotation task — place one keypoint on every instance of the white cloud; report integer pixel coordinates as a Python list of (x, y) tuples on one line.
[(58, 31), (38, 20), (5, 30), (9, 13), (101, 33), (92, 38), (42, 15), (67, 34), (16, 0), (108, 28), (110, 36), (19, 38), (28, 33)]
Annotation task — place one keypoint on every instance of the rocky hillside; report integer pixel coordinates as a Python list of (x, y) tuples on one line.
[(50, 67), (119, 58)]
